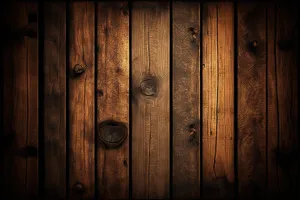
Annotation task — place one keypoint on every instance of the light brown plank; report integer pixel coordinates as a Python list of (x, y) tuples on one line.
[(218, 101), (20, 103), (186, 100), (272, 100), (287, 63), (81, 100), (251, 100), (55, 99), (150, 114), (113, 96)]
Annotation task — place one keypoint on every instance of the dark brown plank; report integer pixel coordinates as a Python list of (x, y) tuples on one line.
[(82, 99), (20, 103), (113, 96), (251, 100), (150, 100), (287, 63), (218, 101), (272, 100), (186, 100), (55, 99), (32, 98)]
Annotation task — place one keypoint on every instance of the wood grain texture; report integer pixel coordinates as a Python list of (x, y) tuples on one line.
[(186, 100), (287, 63), (55, 99), (32, 115), (150, 114), (113, 96), (251, 100), (218, 101), (82, 99), (20, 103), (272, 100)]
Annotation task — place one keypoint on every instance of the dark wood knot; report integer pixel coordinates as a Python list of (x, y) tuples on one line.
[(112, 133), (78, 70), (148, 87), (193, 30), (78, 188), (125, 9), (192, 129), (254, 44), (28, 151), (286, 45), (32, 17), (29, 32)]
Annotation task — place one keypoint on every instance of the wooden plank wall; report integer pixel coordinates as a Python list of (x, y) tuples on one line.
[(150, 100)]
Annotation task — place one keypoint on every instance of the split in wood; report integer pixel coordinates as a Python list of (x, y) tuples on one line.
[(112, 133), (148, 87), (78, 188), (28, 151), (78, 70)]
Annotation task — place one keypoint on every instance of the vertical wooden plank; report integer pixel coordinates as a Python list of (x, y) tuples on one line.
[(55, 99), (272, 100), (186, 100), (151, 100), (218, 101), (113, 96), (81, 99), (251, 100), (287, 27), (20, 102), (32, 98)]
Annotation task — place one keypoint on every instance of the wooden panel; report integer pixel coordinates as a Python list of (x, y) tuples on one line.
[(186, 100), (218, 101), (55, 99), (150, 100), (32, 113), (287, 87), (81, 99), (251, 100), (113, 96), (20, 102), (272, 114)]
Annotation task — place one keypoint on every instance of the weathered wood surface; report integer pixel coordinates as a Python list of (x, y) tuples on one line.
[(113, 96), (81, 99), (272, 101), (218, 101), (20, 91), (32, 100), (251, 100), (150, 100), (186, 100), (55, 99), (86, 51), (287, 64)]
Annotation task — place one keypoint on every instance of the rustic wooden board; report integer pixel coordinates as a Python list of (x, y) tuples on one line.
[(150, 100), (218, 101), (287, 63), (81, 99), (20, 103), (113, 96), (32, 113), (55, 99), (272, 101), (252, 108), (186, 100)]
